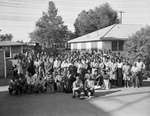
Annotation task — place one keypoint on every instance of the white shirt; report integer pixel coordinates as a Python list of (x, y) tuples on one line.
[(134, 69), (14, 62), (36, 63), (56, 63), (64, 64), (120, 65), (29, 80), (140, 65), (34, 78)]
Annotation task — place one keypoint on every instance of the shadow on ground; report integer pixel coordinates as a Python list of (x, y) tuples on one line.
[(104, 93)]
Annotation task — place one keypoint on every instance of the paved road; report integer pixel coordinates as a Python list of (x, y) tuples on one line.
[(115, 102)]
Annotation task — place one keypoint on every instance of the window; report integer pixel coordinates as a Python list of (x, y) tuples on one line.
[(120, 45), (74, 46), (114, 45), (94, 46), (7, 51), (83, 46)]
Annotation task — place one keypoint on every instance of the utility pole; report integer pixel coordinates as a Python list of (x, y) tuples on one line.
[(121, 12)]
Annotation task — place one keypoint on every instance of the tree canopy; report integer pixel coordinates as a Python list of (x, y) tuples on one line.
[(138, 45), (6, 37), (94, 19), (49, 28)]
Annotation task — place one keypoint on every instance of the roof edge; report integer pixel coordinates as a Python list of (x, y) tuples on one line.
[(108, 31)]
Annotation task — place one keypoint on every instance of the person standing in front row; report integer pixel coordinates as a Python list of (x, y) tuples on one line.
[(119, 73), (126, 74), (134, 71), (141, 67), (50, 83), (106, 79), (113, 69)]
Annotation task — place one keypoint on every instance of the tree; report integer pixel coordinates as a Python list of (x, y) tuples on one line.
[(92, 20), (6, 37), (49, 28), (138, 45)]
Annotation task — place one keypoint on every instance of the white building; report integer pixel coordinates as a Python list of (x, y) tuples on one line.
[(109, 38)]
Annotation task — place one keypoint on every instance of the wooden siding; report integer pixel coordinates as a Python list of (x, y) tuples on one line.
[(1, 64)]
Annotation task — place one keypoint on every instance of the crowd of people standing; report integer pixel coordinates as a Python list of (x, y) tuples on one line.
[(74, 73)]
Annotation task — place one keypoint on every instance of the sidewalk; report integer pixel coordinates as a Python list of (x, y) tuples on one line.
[(3, 88)]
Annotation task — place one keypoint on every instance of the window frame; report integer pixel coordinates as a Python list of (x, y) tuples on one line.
[(83, 46), (94, 46), (120, 45), (74, 46), (112, 46), (9, 49)]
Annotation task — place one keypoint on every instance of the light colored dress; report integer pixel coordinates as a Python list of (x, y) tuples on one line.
[(126, 72), (113, 68), (94, 66)]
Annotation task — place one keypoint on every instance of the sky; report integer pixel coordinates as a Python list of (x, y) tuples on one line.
[(18, 17)]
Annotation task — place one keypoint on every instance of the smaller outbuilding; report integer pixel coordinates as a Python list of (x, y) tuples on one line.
[(2, 64), (8, 50), (11, 48)]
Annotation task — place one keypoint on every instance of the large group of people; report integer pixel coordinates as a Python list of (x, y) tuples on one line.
[(77, 73)]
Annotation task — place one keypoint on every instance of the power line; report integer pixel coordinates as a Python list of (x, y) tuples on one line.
[(73, 3), (19, 13), (68, 10), (16, 4), (85, 5)]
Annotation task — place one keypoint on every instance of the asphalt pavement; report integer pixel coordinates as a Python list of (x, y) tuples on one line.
[(114, 102)]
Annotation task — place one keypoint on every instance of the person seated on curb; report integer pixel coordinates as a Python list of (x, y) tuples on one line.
[(29, 83), (77, 88), (22, 84), (89, 87), (35, 84), (50, 83), (13, 86), (59, 82), (41, 83)]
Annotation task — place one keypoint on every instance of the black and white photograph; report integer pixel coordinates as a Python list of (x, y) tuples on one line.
[(74, 57)]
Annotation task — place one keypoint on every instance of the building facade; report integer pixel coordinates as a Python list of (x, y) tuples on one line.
[(110, 38), (10, 49), (2, 64)]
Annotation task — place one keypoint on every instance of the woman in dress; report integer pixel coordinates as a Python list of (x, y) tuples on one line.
[(113, 69), (126, 74)]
